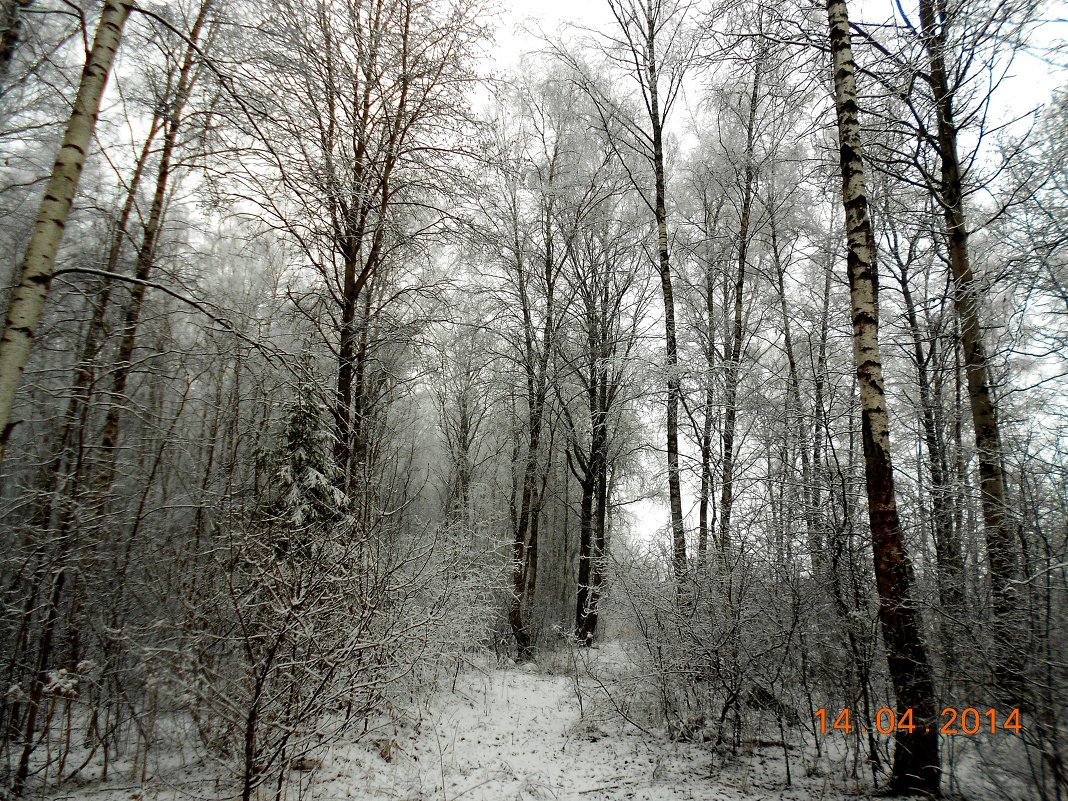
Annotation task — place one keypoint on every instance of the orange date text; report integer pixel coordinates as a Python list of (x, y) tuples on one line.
[(953, 721)]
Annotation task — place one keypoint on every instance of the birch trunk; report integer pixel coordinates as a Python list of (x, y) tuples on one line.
[(35, 272), (916, 761)]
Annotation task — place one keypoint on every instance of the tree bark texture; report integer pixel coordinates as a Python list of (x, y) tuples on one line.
[(35, 271), (916, 760)]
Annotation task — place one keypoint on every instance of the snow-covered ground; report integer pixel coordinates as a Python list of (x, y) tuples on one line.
[(540, 732), (519, 734)]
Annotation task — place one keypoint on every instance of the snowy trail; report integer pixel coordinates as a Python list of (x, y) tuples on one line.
[(517, 735), (508, 734)]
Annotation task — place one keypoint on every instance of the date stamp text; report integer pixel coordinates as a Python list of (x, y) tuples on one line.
[(954, 721)]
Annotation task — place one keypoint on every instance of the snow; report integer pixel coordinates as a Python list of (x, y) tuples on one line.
[(546, 731), (517, 733)]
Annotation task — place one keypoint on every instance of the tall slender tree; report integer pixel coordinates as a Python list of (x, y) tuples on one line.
[(356, 133), (916, 760), (179, 86), (653, 44), (936, 23), (35, 271)]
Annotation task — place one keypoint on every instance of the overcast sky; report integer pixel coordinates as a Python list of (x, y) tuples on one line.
[(1032, 83)]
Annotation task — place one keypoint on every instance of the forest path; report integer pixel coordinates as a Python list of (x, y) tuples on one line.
[(517, 734)]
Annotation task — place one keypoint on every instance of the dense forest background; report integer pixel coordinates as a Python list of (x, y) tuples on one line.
[(338, 356)]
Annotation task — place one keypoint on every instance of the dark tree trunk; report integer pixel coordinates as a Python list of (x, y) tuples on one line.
[(947, 540), (146, 255), (678, 532), (600, 545), (998, 523), (41, 676), (819, 428), (795, 410), (706, 512), (10, 31), (585, 561), (593, 518), (529, 507)]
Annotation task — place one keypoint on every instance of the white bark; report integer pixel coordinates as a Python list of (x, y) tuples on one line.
[(35, 273), (916, 760)]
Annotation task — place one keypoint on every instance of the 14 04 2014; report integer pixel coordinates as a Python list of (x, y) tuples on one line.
[(968, 720)]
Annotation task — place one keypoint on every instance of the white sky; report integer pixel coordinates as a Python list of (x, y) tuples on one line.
[(548, 15), (1032, 83)]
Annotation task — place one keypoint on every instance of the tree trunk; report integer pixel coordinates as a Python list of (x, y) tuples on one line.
[(527, 504), (705, 514), (345, 365), (530, 577), (249, 772), (916, 760), (35, 272), (147, 252), (593, 511), (678, 532), (585, 559), (41, 677), (820, 433), (600, 543), (146, 255), (730, 412), (795, 411), (64, 467), (10, 32), (998, 523), (947, 540)]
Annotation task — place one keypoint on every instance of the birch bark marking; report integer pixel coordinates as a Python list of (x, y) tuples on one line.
[(35, 272), (916, 761)]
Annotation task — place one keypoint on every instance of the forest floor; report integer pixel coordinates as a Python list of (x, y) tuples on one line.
[(527, 734), (567, 728)]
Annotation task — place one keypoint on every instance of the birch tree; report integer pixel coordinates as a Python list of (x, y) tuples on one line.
[(35, 271), (598, 359), (179, 85), (520, 223), (937, 26), (354, 159), (916, 760)]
